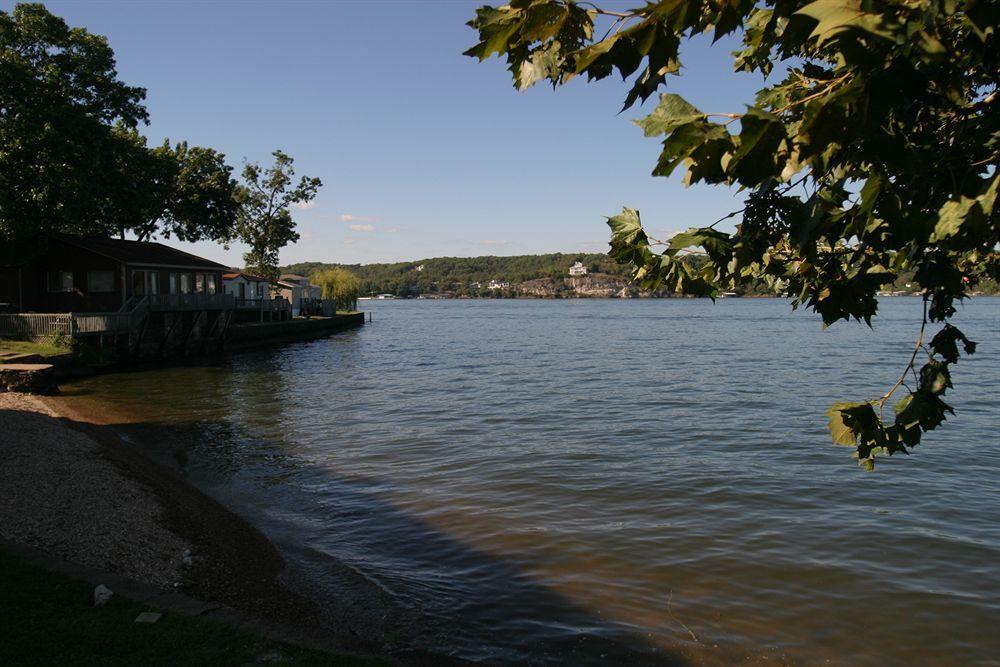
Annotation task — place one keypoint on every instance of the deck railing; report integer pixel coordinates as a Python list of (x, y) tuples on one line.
[(127, 320), (267, 305), (91, 323), (35, 325), (191, 301)]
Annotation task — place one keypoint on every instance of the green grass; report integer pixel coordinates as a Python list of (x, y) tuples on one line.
[(49, 619), (46, 349)]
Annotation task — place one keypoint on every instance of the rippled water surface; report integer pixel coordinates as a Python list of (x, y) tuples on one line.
[(608, 481)]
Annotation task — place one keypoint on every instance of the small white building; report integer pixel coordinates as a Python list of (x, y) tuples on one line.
[(578, 269), (304, 296), (498, 284), (245, 286)]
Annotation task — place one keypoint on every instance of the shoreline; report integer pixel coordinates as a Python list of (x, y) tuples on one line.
[(231, 562)]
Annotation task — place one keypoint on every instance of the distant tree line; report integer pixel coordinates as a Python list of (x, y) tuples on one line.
[(471, 276), (461, 276)]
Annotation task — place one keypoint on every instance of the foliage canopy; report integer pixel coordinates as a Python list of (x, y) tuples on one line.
[(340, 285), (874, 152), (72, 158), (264, 221), (60, 98)]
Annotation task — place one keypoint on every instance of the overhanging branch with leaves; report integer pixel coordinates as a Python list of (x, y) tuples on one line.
[(886, 115)]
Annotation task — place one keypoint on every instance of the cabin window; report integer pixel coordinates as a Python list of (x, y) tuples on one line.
[(100, 281), (185, 283), (210, 284), (199, 282), (145, 282), (60, 281)]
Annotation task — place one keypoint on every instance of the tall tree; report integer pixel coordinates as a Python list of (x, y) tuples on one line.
[(60, 97), (340, 285), (181, 191), (875, 151), (264, 221), (71, 156)]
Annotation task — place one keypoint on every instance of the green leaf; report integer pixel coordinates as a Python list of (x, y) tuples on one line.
[(846, 420), (834, 17), (965, 220), (672, 112), (629, 243), (718, 245), (545, 63), (757, 156), (496, 28)]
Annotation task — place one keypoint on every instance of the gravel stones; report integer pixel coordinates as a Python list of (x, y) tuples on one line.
[(62, 496)]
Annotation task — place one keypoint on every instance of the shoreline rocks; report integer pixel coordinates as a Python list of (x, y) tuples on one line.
[(29, 379)]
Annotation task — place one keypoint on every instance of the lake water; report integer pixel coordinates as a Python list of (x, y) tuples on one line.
[(629, 482)]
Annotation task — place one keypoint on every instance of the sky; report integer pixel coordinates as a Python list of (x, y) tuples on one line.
[(423, 152)]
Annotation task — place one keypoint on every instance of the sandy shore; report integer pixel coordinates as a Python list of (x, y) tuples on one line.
[(73, 489)]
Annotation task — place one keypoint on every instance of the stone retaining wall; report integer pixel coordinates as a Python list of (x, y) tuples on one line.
[(248, 335)]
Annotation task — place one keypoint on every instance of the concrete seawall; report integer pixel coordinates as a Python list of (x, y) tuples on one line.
[(242, 336)]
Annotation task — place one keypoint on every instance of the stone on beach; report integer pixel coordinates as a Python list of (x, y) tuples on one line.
[(102, 595), (148, 617)]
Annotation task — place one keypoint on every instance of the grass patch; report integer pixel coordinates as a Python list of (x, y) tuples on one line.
[(46, 349), (49, 619)]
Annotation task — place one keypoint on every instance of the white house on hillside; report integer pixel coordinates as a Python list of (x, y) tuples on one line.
[(498, 284), (578, 269)]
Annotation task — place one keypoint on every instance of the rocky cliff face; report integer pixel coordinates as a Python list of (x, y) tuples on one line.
[(596, 285)]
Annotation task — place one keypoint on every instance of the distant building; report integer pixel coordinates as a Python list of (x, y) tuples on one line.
[(419, 268), (304, 296), (578, 269), (498, 284), (245, 286)]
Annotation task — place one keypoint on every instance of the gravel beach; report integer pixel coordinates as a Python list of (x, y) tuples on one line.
[(62, 495)]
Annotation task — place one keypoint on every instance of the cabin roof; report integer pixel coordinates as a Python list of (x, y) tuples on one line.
[(140, 252), (232, 275)]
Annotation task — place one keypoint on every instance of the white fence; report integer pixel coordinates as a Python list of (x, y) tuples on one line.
[(35, 325), (103, 323)]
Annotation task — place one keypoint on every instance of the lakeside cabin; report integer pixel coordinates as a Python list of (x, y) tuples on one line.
[(91, 274), (578, 269), (129, 297)]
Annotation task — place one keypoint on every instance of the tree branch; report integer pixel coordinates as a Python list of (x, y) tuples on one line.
[(909, 367)]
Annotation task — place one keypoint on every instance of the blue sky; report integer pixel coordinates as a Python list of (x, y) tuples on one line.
[(423, 152)]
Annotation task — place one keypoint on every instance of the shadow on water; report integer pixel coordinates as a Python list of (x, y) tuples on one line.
[(377, 572)]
